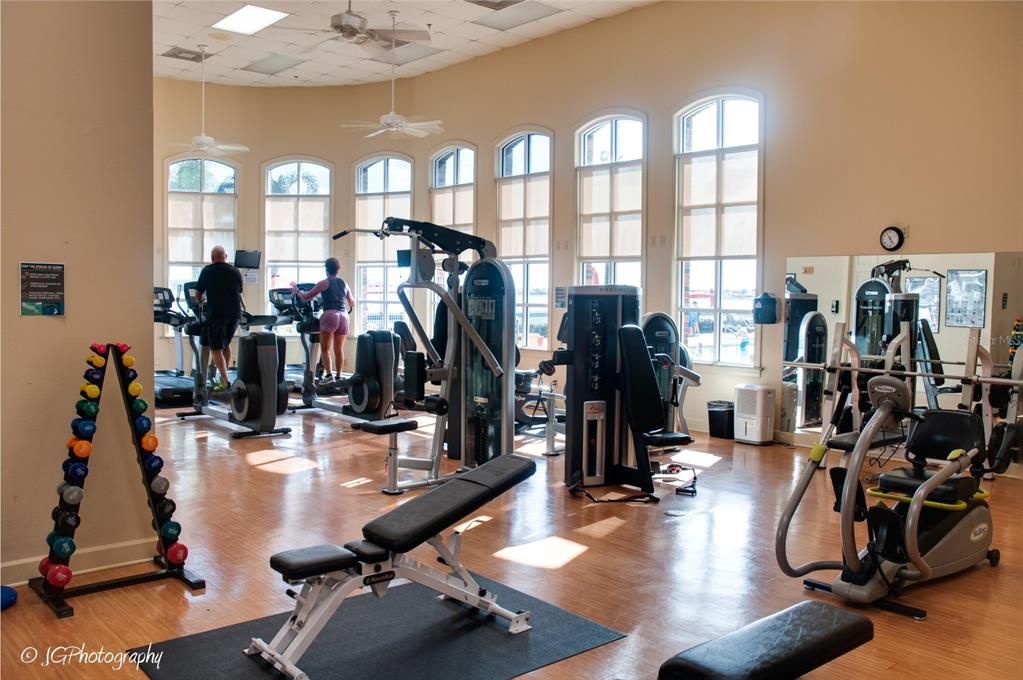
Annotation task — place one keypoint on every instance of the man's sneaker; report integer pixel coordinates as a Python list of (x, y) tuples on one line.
[(325, 381), (222, 387)]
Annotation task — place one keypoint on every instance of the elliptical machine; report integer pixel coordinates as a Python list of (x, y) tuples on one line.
[(370, 389), (940, 523), (259, 393)]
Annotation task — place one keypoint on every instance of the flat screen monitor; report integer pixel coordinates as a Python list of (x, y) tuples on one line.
[(247, 259)]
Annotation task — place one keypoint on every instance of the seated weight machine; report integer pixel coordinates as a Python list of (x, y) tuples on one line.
[(474, 407)]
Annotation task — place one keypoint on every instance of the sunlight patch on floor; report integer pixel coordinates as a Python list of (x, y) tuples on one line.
[(547, 553), (695, 458), (602, 528), (288, 466), (359, 481)]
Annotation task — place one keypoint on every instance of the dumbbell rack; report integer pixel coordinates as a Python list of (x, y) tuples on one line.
[(170, 559)]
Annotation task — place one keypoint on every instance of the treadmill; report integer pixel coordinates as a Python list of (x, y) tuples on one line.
[(173, 387)]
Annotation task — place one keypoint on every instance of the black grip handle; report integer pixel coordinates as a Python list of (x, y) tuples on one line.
[(340, 234), (836, 415)]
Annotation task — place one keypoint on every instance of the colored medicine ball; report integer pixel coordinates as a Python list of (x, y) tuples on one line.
[(135, 389), (72, 495), (64, 547), (143, 424), (139, 406), (153, 465), (149, 442), (170, 531), (159, 485), (59, 575), (177, 553), (77, 472)]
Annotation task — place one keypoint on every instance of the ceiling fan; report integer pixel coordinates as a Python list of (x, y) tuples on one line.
[(203, 143), (391, 121), (352, 27)]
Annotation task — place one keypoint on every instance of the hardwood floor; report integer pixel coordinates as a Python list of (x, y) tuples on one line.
[(669, 575)]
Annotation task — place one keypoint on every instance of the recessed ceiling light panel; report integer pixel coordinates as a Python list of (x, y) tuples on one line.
[(516, 15), (249, 19)]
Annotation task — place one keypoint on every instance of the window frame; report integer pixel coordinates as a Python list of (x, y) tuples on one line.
[(522, 304), (264, 194), (454, 146), (168, 162), (388, 266), (611, 260), (718, 310)]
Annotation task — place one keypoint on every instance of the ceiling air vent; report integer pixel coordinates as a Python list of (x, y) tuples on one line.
[(184, 53), (494, 4)]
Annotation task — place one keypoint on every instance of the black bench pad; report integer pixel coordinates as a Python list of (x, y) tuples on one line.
[(847, 441), (667, 439), (787, 644), (367, 552), (501, 473), (301, 563), (908, 480), (388, 426), (412, 523)]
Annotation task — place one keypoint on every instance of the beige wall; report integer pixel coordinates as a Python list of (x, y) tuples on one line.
[(876, 114), (77, 166)]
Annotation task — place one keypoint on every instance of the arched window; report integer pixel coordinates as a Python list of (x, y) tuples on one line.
[(383, 188), (452, 189), (524, 216), (717, 158), (297, 220), (201, 213), (610, 186)]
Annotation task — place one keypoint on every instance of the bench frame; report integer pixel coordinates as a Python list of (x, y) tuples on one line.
[(322, 595)]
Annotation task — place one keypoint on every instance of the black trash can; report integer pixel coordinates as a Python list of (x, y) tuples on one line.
[(721, 419)]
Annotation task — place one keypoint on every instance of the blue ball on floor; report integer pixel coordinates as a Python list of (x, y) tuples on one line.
[(8, 596)]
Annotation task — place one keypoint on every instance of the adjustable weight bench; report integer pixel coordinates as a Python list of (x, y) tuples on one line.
[(329, 573), (786, 644)]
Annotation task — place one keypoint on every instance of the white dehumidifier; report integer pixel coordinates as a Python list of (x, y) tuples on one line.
[(754, 414)]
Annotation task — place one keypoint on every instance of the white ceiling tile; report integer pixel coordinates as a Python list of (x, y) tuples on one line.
[(466, 11), (563, 20), (437, 22), (192, 13), (443, 41), (504, 39), (477, 48), (186, 24), (533, 29), (471, 31), (600, 8), (219, 6)]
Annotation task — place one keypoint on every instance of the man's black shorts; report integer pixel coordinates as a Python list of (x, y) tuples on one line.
[(219, 333)]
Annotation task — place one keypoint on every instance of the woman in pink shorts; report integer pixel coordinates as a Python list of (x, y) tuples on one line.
[(336, 301)]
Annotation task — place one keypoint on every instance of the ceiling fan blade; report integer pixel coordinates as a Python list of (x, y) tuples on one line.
[(427, 123), (407, 34), (378, 132), (360, 125), (232, 148), (414, 132)]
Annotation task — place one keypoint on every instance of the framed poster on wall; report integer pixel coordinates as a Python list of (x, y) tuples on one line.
[(929, 290), (966, 298)]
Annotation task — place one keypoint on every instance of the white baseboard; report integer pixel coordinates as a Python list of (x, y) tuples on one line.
[(85, 560)]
